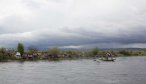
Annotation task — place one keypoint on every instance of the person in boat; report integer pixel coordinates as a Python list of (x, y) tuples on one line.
[(108, 55)]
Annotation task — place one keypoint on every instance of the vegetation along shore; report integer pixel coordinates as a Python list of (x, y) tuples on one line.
[(33, 53)]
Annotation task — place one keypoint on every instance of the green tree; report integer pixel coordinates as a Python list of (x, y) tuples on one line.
[(54, 52), (3, 54), (20, 48), (95, 51)]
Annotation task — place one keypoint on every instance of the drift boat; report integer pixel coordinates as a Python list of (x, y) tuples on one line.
[(103, 59)]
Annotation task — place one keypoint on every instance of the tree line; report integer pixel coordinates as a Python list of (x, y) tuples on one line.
[(32, 53)]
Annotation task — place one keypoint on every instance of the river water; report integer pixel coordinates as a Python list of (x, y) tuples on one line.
[(125, 70)]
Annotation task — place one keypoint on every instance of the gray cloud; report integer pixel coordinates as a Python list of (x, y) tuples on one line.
[(73, 23)]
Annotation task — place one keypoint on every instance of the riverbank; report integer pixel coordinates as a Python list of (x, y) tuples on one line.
[(59, 59), (58, 54)]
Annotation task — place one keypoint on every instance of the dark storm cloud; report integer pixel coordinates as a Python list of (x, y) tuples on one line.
[(90, 37), (73, 23)]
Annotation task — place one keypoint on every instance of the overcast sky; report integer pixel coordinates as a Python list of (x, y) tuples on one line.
[(73, 23)]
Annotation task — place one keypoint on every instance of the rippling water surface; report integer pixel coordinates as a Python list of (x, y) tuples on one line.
[(125, 70)]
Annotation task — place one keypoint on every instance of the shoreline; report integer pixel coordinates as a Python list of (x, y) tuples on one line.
[(57, 59)]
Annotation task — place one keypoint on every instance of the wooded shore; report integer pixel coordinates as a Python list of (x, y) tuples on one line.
[(56, 53)]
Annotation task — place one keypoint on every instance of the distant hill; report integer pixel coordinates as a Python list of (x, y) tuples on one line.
[(106, 49), (118, 49)]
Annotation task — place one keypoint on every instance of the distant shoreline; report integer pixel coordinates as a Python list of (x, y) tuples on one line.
[(56, 53), (57, 59)]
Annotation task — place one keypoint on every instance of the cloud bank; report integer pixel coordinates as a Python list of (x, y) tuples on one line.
[(73, 23)]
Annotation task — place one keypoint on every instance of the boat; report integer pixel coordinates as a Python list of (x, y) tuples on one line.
[(107, 57), (111, 59)]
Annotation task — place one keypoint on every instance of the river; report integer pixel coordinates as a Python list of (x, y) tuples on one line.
[(125, 70)]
